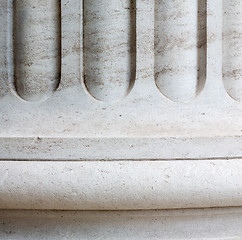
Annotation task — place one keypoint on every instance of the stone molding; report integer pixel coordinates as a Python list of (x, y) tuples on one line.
[(68, 142)]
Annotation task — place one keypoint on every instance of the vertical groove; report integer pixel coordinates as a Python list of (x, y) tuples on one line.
[(37, 48), (3, 47), (201, 45), (109, 48), (180, 48), (232, 48)]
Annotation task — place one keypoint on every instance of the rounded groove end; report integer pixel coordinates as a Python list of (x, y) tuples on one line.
[(109, 44), (232, 45), (36, 48), (180, 48)]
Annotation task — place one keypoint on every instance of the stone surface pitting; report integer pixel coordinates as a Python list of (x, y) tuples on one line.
[(199, 224), (72, 114), (128, 146), (120, 185)]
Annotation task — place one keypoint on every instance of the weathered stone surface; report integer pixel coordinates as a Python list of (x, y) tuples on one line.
[(181, 224), (139, 146)]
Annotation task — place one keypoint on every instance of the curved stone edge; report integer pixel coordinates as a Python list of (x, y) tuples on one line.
[(120, 185)]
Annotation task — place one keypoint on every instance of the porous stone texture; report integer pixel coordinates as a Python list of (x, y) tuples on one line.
[(120, 185), (36, 48), (168, 225), (121, 105), (144, 115)]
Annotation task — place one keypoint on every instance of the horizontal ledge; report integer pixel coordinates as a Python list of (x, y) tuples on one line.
[(47, 148), (120, 185), (173, 224)]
